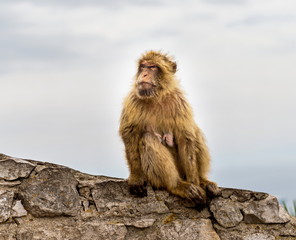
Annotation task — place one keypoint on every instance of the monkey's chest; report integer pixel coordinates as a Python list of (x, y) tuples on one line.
[(157, 120)]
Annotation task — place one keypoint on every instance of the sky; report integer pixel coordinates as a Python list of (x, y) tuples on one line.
[(65, 67)]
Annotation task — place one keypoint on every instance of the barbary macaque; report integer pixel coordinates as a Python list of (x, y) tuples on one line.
[(163, 144)]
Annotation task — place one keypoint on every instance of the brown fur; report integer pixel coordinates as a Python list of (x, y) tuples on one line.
[(163, 144)]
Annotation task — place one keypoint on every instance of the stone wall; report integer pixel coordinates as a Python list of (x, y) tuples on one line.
[(46, 201)]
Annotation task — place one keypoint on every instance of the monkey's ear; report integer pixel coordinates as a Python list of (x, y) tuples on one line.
[(174, 67)]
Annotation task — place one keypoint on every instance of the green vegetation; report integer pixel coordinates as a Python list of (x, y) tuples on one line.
[(290, 209)]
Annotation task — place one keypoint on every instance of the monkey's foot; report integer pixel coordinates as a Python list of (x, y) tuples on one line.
[(199, 195), (190, 191), (138, 190), (212, 189), (137, 185)]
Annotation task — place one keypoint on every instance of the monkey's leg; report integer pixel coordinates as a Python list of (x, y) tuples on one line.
[(203, 161), (187, 159), (160, 169), (136, 180)]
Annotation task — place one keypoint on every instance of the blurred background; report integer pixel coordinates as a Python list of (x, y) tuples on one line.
[(65, 67)]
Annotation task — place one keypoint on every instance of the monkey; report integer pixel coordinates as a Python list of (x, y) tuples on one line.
[(163, 145)]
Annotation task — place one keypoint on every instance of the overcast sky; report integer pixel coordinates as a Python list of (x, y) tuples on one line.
[(65, 67)]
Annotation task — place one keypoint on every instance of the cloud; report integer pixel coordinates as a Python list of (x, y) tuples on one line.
[(101, 3), (267, 19), (227, 2)]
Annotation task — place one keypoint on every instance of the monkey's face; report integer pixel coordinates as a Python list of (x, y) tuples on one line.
[(155, 76), (147, 79)]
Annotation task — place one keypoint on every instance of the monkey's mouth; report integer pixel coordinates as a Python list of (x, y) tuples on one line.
[(146, 89), (146, 86)]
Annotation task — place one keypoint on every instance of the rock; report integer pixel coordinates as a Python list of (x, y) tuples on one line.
[(18, 209), (188, 229), (51, 192), (240, 195), (113, 199), (103, 230), (265, 211), (139, 223), (4, 183), (226, 212), (258, 236), (6, 199), (53, 202), (14, 168)]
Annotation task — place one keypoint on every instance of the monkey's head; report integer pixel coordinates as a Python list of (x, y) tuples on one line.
[(155, 75)]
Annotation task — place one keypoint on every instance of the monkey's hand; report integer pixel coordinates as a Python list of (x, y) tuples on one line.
[(137, 186), (158, 136), (168, 138)]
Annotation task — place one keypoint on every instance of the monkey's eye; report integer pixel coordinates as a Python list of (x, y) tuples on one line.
[(152, 67)]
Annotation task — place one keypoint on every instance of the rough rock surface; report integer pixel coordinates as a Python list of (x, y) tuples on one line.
[(50, 192), (14, 168), (50, 202)]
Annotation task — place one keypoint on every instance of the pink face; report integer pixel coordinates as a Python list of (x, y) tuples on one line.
[(146, 80)]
